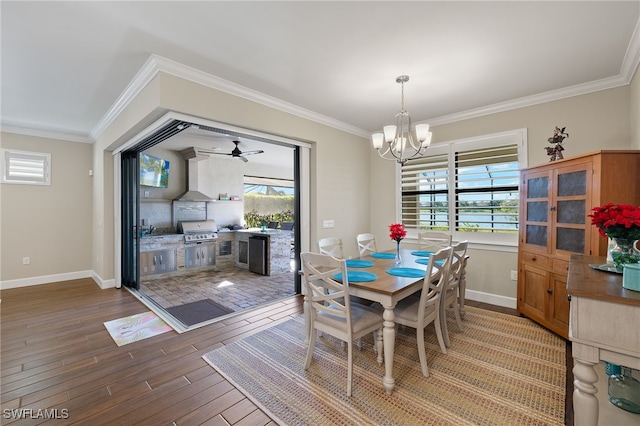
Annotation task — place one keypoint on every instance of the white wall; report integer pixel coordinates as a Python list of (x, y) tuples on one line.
[(49, 224)]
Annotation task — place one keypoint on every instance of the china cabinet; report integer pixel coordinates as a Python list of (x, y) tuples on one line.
[(555, 201)]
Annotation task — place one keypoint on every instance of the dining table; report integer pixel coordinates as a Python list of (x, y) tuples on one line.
[(388, 290)]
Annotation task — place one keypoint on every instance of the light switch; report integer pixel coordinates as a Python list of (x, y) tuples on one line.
[(327, 224)]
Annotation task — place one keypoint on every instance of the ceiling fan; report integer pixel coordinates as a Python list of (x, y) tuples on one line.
[(236, 153)]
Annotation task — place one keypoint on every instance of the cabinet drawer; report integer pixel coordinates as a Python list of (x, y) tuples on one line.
[(534, 259), (561, 266)]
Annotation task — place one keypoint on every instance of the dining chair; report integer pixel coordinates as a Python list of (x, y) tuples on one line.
[(366, 243), (328, 308), (451, 292), (433, 240), (420, 312), (273, 225), (331, 246)]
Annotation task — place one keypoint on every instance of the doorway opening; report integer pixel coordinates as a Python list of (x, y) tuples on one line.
[(222, 285)]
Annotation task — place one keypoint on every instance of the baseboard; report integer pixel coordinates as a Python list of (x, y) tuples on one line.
[(492, 299), (48, 279)]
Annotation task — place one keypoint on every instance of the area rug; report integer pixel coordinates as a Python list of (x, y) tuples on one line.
[(199, 311), (136, 327), (500, 370)]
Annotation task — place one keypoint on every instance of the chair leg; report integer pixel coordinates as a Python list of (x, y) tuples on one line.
[(422, 352), (441, 333), (349, 367), (456, 310), (312, 343), (379, 345)]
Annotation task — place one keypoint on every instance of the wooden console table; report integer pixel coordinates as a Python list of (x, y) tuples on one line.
[(603, 326)]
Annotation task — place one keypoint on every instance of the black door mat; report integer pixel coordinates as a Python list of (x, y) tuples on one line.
[(197, 312)]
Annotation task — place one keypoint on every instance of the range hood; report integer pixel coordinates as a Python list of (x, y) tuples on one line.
[(193, 160)]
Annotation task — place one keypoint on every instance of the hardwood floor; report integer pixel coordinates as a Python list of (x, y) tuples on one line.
[(57, 354)]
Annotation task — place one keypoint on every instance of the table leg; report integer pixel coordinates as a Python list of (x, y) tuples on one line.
[(389, 336), (585, 403)]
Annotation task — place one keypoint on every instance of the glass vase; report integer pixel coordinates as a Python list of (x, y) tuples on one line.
[(398, 258), (623, 388), (623, 252)]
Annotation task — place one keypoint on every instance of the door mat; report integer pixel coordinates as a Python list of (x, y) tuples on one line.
[(136, 327), (197, 312)]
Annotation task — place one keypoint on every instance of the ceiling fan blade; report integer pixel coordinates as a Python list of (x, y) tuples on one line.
[(242, 158), (258, 151)]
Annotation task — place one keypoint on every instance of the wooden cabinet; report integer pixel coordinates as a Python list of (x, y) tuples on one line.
[(555, 201)]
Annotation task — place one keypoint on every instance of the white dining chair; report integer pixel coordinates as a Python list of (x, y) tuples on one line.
[(451, 292), (433, 240), (328, 308), (331, 246), (366, 243), (420, 312)]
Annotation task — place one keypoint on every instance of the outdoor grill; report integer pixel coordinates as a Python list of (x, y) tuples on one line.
[(198, 231)]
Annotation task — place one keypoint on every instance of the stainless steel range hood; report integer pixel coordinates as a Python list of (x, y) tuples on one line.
[(193, 162)]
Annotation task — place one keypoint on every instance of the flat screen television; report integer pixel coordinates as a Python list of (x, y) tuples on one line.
[(154, 171)]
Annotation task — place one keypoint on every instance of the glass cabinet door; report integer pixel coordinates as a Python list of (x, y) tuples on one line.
[(536, 209), (572, 196)]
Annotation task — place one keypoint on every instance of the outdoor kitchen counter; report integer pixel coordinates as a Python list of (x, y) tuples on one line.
[(160, 241), (279, 248)]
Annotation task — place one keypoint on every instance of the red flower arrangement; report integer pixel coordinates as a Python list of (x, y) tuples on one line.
[(397, 231), (617, 221)]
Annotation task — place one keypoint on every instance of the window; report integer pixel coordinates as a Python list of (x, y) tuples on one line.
[(24, 167), (469, 188)]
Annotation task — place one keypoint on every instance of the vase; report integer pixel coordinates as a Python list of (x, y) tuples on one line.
[(624, 251), (623, 388), (398, 258)]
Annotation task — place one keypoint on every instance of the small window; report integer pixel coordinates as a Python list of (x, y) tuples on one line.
[(22, 167)]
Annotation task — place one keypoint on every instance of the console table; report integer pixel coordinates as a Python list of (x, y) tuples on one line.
[(603, 326)]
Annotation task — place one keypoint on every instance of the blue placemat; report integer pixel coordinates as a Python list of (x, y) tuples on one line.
[(359, 263), (406, 272), (422, 253), (425, 260), (357, 276), (383, 255)]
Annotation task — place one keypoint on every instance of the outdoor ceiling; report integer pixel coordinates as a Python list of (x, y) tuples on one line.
[(65, 64)]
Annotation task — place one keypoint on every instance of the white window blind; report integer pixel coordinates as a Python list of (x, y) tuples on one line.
[(24, 167), (466, 186)]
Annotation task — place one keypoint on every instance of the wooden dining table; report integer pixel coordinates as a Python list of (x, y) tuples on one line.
[(388, 290)]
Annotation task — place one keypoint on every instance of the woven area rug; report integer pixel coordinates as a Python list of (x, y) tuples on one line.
[(136, 327), (500, 370)]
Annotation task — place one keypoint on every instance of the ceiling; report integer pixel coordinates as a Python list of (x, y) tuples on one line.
[(65, 65)]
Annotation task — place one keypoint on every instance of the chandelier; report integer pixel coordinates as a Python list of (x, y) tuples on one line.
[(397, 142)]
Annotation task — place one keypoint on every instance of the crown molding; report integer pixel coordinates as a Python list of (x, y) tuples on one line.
[(44, 133), (627, 70), (527, 101), (156, 64)]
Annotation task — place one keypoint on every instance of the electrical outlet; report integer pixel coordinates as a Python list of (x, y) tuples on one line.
[(26, 260), (327, 224), (514, 275)]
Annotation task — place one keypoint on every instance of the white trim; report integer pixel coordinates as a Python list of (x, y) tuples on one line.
[(47, 134), (493, 299)]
